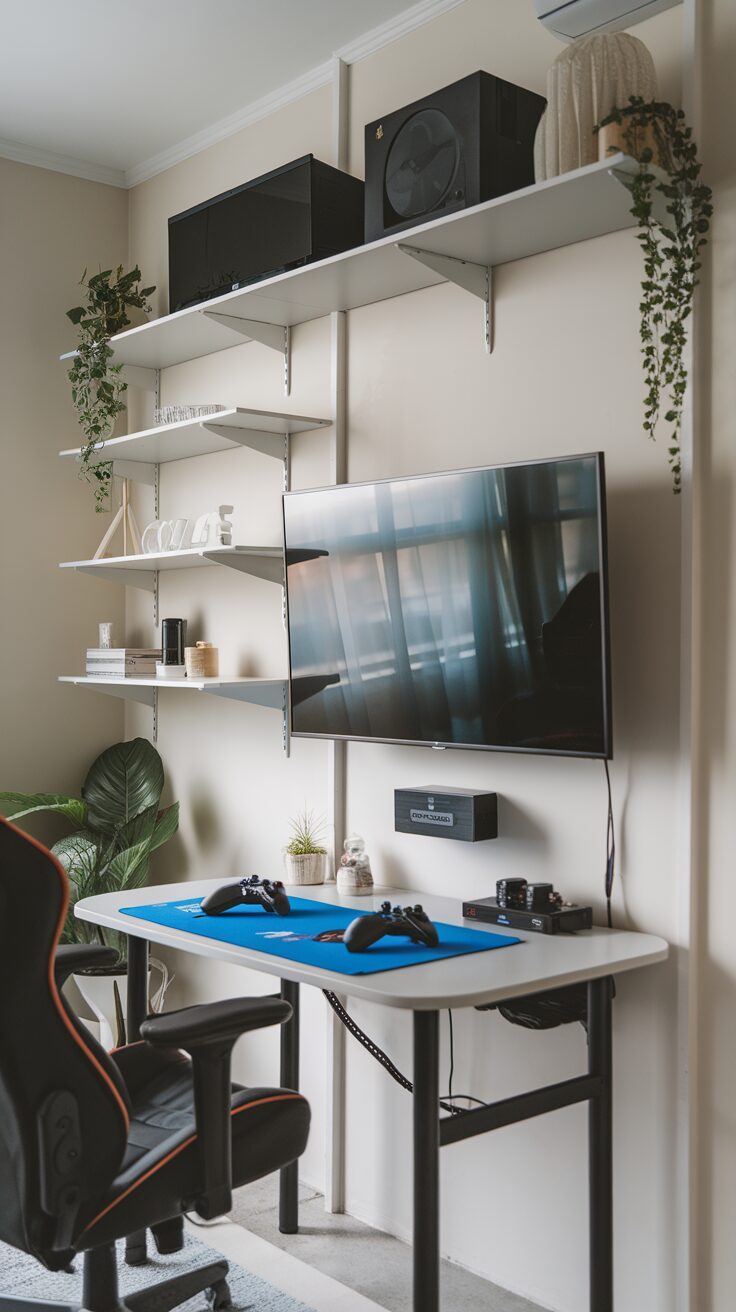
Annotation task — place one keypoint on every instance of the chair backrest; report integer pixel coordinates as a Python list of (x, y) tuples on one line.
[(63, 1107)]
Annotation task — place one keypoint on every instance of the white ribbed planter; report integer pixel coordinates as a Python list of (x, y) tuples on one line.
[(308, 869), (98, 992)]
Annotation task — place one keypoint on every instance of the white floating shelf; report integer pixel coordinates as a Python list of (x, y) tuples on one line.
[(140, 571), (584, 203), (262, 430), (261, 692)]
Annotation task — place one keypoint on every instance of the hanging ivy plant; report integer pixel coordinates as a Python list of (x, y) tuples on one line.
[(97, 384), (668, 165)]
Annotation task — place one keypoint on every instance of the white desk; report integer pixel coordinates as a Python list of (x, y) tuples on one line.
[(541, 962)]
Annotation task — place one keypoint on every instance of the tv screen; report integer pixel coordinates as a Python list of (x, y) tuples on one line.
[(464, 609)]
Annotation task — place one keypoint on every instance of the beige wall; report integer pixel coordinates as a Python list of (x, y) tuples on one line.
[(51, 227), (714, 885), (564, 377)]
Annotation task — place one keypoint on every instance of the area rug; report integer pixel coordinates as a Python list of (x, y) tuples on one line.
[(23, 1277)]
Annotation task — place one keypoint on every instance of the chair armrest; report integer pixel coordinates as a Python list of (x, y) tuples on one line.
[(71, 957), (193, 1028), (208, 1033)]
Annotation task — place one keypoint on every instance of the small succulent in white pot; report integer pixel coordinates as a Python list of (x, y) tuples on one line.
[(305, 859)]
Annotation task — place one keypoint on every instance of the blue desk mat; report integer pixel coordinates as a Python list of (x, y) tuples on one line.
[(292, 937)]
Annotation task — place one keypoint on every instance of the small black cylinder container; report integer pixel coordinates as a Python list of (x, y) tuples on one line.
[(172, 641)]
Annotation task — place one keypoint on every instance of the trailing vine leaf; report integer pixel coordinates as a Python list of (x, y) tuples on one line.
[(671, 251), (97, 383)]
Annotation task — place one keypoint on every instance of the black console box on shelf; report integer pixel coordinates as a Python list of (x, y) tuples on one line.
[(565, 920), (463, 144), (446, 813), (301, 212)]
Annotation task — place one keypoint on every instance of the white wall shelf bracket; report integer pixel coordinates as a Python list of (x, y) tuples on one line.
[(129, 578), (137, 375), (135, 470), (273, 693), (270, 568), (474, 278), (275, 445), (275, 335), (130, 691), (625, 174)]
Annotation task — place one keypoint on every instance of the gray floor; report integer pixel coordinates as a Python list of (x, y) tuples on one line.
[(366, 1260)]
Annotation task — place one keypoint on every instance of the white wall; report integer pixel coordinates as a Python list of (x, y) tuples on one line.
[(564, 377), (51, 227)]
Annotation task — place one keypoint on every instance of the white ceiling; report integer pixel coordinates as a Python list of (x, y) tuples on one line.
[(117, 89)]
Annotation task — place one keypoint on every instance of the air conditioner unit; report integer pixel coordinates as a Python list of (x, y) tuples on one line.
[(569, 19)]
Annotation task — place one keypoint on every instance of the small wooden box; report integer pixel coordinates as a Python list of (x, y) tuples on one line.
[(459, 813)]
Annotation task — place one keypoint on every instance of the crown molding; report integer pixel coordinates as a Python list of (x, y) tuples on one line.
[(368, 44), (227, 127), (419, 14), (48, 159), (392, 30)]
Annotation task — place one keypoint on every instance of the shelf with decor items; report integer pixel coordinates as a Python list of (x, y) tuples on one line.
[(272, 693), (462, 247), (140, 571), (136, 455)]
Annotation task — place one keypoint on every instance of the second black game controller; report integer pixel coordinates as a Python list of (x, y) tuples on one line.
[(267, 893), (404, 922)]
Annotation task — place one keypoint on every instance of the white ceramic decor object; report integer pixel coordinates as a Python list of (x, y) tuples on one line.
[(587, 80), (149, 539), (165, 531), (200, 531), (354, 876), (177, 534), (224, 526)]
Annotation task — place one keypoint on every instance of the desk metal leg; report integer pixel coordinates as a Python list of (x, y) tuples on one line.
[(289, 1182), (135, 1245), (600, 1146), (426, 1162), (137, 986)]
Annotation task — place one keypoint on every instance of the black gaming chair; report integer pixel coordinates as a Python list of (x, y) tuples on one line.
[(97, 1146)]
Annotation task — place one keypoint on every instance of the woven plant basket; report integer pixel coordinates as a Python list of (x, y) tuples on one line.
[(310, 868)]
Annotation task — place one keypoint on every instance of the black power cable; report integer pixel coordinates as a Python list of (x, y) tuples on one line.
[(610, 848), (384, 1060)]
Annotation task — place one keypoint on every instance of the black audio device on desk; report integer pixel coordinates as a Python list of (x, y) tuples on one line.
[(535, 907)]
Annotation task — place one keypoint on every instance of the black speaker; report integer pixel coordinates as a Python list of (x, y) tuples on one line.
[(464, 144), (303, 211)]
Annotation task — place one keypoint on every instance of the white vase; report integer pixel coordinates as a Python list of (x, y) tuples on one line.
[(98, 992), (310, 868), (587, 80)]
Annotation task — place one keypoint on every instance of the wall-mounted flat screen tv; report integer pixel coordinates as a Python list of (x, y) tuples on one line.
[(464, 609)]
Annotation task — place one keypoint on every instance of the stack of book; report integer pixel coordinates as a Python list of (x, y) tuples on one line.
[(122, 662)]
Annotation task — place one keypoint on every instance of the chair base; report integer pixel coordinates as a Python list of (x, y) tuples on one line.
[(100, 1288), (163, 1297)]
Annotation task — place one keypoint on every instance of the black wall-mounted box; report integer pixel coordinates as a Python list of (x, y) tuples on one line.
[(446, 813), (301, 212)]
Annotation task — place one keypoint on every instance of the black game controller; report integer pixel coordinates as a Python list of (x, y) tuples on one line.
[(405, 922), (266, 893)]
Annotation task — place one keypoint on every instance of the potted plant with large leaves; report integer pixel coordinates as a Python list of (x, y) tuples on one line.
[(118, 825)]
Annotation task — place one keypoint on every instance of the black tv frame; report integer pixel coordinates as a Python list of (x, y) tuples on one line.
[(607, 753)]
